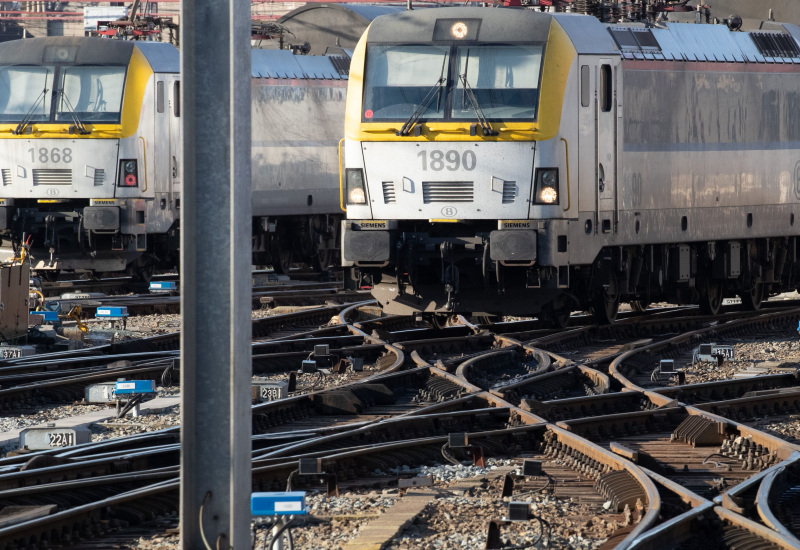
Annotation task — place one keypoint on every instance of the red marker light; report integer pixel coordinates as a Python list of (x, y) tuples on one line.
[(130, 180), (368, 113)]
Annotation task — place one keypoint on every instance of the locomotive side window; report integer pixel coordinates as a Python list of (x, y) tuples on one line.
[(25, 89), (160, 97), (91, 93), (585, 91), (606, 92), (176, 99)]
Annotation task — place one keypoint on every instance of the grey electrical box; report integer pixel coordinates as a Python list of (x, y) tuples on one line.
[(272, 390), (357, 363), (531, 468), (101, 393), (309, 466), (518, 511), (667, 366), (309, 366), (322, 349), (52, 437)]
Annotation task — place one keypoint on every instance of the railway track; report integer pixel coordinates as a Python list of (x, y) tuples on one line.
[(648, 460)]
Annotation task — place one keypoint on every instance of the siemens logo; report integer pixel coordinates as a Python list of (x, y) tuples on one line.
[(373, 225), (515, 225)]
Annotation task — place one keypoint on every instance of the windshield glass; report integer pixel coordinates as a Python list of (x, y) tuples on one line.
[(399, 77), (22, 88), (94, 94), (504, 79)]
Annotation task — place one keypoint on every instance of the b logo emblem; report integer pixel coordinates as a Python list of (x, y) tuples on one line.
[(52, 192), (449, 212)]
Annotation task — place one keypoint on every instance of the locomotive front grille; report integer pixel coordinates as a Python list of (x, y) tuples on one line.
[(447, 191), (509, 191), (7, 176), (388, 193), (52, 176)]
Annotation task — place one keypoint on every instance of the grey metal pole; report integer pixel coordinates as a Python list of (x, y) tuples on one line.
[(215, 275)]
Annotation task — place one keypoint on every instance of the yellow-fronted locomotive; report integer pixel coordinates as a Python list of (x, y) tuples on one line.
[(91, 149), (527, 163)]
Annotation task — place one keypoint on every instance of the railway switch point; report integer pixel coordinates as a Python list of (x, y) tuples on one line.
[(42, 438)]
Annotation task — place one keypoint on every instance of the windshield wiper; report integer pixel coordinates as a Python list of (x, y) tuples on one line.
[(470, 94), (29, 115), (78, 124), (436, 89)]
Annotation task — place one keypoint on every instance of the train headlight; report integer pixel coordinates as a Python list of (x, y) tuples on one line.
[(128, 174), (356, 193), (546, 186)]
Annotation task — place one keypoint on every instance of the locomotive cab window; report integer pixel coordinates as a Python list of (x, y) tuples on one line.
[(53, 93), (503, 80), (23, 90), (90, 93), (443, 82), (401, 79)]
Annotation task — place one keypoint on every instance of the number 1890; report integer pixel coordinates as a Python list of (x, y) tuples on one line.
[(453, 160)]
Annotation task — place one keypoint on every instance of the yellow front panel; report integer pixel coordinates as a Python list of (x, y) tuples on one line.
[(558, 58), (139, 74)]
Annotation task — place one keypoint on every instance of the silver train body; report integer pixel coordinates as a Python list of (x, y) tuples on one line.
[(672, 158), (91, 146)]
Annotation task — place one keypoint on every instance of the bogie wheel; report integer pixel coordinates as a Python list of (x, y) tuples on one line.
[(711, 293), (323, 259), (285, 260), (556, 315), (753, 298), (639, 306), (606, 304), (141, 270)]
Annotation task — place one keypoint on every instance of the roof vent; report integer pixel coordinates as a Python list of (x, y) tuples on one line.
[(772, 44)]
